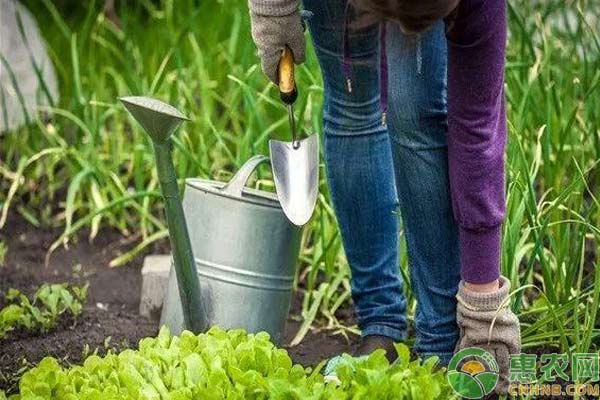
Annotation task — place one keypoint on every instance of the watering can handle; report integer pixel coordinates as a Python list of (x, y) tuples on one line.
[(235, 186)]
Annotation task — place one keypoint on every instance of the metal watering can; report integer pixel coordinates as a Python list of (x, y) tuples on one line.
[(245, 252), (234, 249)]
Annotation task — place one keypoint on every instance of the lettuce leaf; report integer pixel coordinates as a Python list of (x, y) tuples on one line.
[(229, 365)]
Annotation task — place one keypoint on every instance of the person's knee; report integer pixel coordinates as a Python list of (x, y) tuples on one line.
[(416, 121), (345, 115)]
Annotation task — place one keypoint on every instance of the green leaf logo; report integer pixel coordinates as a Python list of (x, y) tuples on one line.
[(477, 375)]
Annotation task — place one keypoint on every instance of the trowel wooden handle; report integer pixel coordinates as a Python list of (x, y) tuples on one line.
[(287, 83)]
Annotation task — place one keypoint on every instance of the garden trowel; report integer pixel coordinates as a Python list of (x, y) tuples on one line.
[(295, 164)]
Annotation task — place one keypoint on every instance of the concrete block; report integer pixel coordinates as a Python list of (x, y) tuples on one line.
[(155, 279)]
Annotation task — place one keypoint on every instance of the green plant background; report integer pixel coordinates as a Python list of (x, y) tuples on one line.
[(89, 166)]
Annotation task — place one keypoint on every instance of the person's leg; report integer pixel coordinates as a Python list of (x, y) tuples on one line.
[(360, 169), (417, 126)]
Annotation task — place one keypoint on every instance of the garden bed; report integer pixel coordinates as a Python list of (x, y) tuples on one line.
[(110, 318)]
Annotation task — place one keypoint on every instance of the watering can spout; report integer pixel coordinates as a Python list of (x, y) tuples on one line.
[(158, 119)]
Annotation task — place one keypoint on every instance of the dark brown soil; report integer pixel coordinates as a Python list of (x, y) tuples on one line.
[(110, 319)]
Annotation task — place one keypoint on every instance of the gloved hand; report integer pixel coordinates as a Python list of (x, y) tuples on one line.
[(475, 313), (276, 23)]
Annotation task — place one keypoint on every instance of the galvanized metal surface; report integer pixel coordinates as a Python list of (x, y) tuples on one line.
[(245, 253), (296, 174)]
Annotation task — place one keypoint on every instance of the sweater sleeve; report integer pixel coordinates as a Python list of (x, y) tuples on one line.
[(273, 8), (477, 133)]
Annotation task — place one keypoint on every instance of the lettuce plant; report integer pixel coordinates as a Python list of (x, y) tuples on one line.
[(43, 312), (226, 365)]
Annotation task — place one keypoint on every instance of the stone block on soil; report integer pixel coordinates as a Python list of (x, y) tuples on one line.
[(155, 279)]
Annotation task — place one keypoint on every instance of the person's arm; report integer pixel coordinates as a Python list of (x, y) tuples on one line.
[(476, 142), (273, 7), (477, 133)]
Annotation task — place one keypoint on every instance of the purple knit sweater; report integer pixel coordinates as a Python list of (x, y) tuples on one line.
[(477, 133)]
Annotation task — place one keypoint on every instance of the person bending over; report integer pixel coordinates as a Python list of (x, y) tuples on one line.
[(414, 118)]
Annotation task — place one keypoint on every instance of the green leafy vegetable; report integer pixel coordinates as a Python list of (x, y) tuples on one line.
[(43, 312), (229, 365)]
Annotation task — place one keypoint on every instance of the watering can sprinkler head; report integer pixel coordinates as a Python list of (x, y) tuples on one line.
[(158, 119)]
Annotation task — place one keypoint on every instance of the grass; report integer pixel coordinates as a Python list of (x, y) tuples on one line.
[(3, 250), (84, 165)]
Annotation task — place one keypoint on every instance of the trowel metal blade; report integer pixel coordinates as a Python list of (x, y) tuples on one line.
[(296, 175)]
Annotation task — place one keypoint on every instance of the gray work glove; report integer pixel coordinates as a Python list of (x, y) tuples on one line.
[(474, 315), (275, 24)]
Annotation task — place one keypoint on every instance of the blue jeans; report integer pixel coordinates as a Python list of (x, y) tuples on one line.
[(372, 169)]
